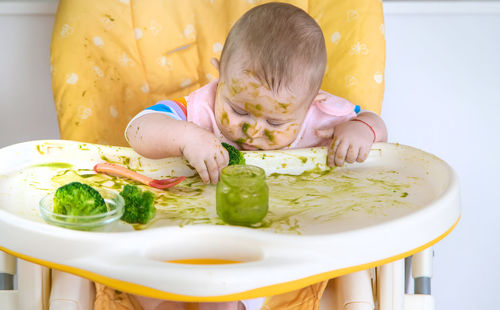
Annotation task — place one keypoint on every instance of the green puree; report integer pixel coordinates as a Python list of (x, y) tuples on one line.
[(242, 196), (54, 165), (295, 202)]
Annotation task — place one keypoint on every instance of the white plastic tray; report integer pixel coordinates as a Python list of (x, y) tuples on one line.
[(401, 200)]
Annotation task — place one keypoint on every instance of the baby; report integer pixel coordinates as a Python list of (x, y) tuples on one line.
[(267, 97)]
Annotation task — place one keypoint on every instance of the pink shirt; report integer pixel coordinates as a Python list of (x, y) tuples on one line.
[(321, 115), (199, 107)]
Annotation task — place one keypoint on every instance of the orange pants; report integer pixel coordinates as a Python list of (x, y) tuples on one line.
[(306, 298)]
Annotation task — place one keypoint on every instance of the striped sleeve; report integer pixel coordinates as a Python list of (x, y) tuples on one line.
[(175, 109)]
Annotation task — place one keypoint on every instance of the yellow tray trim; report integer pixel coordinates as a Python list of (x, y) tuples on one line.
[(270, 290)]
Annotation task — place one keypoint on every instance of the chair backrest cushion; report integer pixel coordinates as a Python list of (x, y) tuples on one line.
[(111, 59)]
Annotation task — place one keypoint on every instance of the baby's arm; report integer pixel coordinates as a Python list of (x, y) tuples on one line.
[(157, 135), (353, 140)]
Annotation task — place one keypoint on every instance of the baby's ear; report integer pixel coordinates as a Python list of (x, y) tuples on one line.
[(215, 62), (320, 97)]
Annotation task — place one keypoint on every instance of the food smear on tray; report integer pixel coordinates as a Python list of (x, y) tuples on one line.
[(319, 196)]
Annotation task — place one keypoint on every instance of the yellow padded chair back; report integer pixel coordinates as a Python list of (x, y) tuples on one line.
[(112, 58)]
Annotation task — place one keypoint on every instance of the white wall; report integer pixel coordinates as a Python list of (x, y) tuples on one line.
[(443, 96), (27, 111), (443, 90)]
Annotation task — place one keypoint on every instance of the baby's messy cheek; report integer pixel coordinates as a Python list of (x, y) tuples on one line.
[(291, 129), (233, 131), (224, 118), (287, 135), (226, 127), (279, 137), (270, 135)]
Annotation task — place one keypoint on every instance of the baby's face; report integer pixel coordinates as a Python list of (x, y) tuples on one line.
[(250, 114)]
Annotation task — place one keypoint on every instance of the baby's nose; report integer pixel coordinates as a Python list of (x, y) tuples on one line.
[(254, 130)]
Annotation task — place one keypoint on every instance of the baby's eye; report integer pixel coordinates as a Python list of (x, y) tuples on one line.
[(239, 112), (275, 123)]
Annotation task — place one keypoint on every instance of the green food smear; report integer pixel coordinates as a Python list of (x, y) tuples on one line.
[(56, 165), (269, 134), (320, 196), (245, 127), (224, 118)]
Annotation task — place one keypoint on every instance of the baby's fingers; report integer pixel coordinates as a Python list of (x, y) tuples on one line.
[(222, 158), (363, 154), (213, 170), (352, 154), (202, 170), (330, 159), (340, 153)]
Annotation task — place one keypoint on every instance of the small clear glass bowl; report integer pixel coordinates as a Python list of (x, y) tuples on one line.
[(97, 222)]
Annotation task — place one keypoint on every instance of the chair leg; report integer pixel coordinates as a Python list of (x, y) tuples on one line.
[(422, 271), (7, 271), (71, 292), (390, 286), (422, 274), (34, 286), (408, 274), (8, 296), (350, 292)]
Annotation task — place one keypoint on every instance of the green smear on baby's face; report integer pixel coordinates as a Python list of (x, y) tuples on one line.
[(224, 119), (245, 127), (254, 109), (254, 85), (240, 141), (236, 87), (269, 134), (284, 106)]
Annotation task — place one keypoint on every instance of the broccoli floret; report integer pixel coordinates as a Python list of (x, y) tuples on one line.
[(78, 199), (139, 205), (235, 156)]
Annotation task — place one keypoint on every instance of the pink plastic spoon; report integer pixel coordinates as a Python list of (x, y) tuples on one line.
[(117, 170)]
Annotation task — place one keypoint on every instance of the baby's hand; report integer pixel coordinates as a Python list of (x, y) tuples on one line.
[(351, 142), (205, 153)]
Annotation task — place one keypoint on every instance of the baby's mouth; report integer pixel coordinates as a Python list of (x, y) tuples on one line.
[(248, 147)]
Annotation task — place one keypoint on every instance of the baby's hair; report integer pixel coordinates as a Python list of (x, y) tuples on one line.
[(279, 43)]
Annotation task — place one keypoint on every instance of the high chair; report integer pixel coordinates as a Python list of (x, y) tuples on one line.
[(111, 59)]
